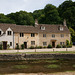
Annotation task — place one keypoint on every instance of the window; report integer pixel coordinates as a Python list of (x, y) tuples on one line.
[(32, 42), (62, 35), (44, 43), (10, 43), (0, 32), (53, 35), (32, 35), (42, 28), (62, 43), (21, 35), (9, 33), (44, 35)]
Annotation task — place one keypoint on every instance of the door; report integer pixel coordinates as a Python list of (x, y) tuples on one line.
[(25, 44), (5, 45), (53, 44)]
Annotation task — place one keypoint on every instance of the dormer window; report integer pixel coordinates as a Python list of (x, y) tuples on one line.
[(42, 28), (61, 28), (0, 32), (9, 33)]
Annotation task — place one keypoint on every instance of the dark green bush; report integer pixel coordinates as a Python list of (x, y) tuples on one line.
[(1, 47), (32, 47), (38, 47), (49, 46), (63, 46), (22, 46), (17, 46), (44, 47), (58, 46)]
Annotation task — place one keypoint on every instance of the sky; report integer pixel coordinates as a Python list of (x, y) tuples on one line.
[(12, 6)]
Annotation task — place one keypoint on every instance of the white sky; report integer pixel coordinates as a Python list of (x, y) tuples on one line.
[(8, 6)]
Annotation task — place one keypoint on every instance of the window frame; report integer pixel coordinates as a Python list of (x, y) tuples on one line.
[(44, 35), (53, 35), (9, 33), (32, 34), (62, 35), (0, 32), (10, 43), (32, 42), (44, 43), (21, 34)]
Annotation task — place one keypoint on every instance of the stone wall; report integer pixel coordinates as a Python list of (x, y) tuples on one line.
[(35, 56)]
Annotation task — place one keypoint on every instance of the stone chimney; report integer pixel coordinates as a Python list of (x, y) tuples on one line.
[(36, 22), (64, 23)]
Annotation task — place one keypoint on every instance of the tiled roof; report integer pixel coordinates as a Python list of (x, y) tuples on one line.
[(32, 29)]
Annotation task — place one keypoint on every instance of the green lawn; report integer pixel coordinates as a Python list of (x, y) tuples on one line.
[(70, 52)]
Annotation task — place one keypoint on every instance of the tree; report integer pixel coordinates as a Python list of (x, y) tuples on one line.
[(72, 34), (51, 14), (22, 18)]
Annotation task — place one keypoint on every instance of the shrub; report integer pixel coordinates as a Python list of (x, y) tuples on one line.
[(32, 47), (63, 46), (67, 42), (49, 46), (58, 46), (44, 47), (38, 47), (0, 46), (22, 46), (17, 47), (8, 46)]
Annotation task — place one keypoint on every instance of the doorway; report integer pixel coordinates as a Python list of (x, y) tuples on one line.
[(53, 44), (25, 44), (4, 45)]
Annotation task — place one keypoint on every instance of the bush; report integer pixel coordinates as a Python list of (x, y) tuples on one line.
[(49, 46), (17, 47), (22, 46), (38, 47), (8, 46), (0, 46), (67, 42), (32, 47), (44, 47), (63, 46), (58, 46)]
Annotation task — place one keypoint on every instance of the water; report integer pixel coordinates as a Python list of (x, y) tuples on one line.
[(36, 66)]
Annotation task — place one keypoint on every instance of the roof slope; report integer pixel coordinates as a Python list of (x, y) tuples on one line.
[(32, 29)]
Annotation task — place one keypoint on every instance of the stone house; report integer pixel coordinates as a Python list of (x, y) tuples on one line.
[(38, 35)]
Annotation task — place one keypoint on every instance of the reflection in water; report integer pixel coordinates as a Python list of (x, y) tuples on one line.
[(36, 66)]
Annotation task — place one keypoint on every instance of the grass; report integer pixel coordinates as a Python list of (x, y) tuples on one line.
[(70, 52), (53, 66), (20, 66)]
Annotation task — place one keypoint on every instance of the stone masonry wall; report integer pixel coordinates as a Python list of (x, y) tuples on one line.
[(35, 56)]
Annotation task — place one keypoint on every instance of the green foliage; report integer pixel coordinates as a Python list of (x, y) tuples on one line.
[(8, 46), (17, 46), (52, 66), (38, 47), (63, 46), (49, 46), (22, 46), (72, 34), (22, 18), (58, 46), (67, 43), (1, 47), (32, 47), (20, 66)]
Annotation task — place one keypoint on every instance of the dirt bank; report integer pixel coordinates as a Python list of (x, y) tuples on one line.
[(59, 73)]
